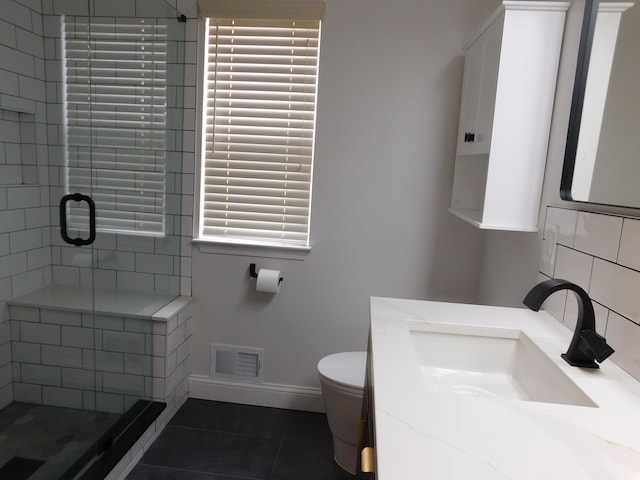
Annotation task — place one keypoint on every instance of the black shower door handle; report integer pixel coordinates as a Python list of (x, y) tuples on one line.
[(79, 241)]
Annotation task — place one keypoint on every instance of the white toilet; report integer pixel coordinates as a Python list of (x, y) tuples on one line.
[(342, 382)]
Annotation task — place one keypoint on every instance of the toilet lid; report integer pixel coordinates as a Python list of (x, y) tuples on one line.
[(347, 368)]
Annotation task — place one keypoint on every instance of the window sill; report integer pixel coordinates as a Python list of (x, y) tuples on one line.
[(239, 248)]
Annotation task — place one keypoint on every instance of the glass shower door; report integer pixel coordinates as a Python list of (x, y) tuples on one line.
[(123, 110), (95, 235)]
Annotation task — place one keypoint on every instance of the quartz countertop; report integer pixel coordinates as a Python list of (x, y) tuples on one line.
[(445, 436)]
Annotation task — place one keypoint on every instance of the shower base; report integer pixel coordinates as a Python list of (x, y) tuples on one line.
[(66, 441), (56, 435)]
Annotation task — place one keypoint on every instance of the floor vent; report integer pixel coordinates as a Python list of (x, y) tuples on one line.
[(236, 363)]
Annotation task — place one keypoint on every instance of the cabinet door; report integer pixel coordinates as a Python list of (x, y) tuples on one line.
[(491, 41), (470, 103), (479, 91)]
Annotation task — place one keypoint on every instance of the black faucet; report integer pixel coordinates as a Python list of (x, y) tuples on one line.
[(586, 346)]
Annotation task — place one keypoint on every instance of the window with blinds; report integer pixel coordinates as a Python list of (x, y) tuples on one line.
[(258, 129), (115, 121)]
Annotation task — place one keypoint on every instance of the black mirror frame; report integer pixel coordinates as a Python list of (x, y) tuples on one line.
[(577, 100)]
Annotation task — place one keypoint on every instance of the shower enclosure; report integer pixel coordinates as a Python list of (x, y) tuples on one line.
[(102, 147)]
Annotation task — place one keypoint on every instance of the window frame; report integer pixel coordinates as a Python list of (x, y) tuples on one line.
[(230, 245)]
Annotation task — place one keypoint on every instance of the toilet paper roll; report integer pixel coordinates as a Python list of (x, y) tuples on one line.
[(268, 281)]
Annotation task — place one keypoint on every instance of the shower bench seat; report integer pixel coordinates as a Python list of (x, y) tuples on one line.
[(103, 349), (105, 302)]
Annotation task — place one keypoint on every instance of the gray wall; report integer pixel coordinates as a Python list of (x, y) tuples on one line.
[(389, 94)]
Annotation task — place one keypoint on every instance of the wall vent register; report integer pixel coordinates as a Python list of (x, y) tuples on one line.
[(236, 363)]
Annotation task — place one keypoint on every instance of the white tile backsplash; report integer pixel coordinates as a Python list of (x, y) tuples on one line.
[(574, 266), (616, 287), (598, 235), (601, 253), (629, 254), (624, 336)]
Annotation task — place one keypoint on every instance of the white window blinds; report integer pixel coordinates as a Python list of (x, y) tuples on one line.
[(258, 129), (115, 119)]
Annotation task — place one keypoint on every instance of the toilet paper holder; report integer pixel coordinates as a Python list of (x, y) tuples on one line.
[(254, 274)]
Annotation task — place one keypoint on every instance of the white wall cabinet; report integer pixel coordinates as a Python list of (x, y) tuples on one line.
[(508, 91)]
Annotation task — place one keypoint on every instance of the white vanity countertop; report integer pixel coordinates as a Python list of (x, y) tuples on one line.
[(439, 436)]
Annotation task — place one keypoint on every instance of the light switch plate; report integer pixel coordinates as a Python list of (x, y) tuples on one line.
[(550, 244)]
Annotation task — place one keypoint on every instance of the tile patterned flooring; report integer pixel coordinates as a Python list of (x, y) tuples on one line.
[(209, 440), (56, 435)]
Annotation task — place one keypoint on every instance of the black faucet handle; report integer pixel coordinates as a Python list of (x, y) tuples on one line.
[(596, 345)]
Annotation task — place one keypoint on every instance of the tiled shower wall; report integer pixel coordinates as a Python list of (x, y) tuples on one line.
[(31, 153), (25, 251), (128, 262), (99, 362), (601, 253)]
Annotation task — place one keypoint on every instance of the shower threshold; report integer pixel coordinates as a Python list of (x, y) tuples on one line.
[(101, 457), (44, 442)]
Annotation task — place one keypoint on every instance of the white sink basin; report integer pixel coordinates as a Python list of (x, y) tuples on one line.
[(492, 362)]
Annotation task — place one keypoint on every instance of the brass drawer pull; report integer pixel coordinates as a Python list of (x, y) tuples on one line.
[(362, 432), (368, 460)]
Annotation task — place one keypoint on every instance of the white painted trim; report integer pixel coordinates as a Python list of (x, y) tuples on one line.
[(264, 394), (518, 5)]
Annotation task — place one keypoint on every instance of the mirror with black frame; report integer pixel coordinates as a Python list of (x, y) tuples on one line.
[(602, 156)]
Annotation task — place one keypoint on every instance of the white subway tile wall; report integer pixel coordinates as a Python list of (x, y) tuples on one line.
[(629, 254), (25, 248), (32, 175), (134, 263), (76, 360), (170, 379), (601, 253)]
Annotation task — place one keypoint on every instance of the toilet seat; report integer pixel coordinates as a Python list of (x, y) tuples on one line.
[(345, 371)]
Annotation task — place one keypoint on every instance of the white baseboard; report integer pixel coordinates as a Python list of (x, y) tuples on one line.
[(261, 394)]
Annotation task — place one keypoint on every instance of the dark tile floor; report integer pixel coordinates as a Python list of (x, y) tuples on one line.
[(209, 440)]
